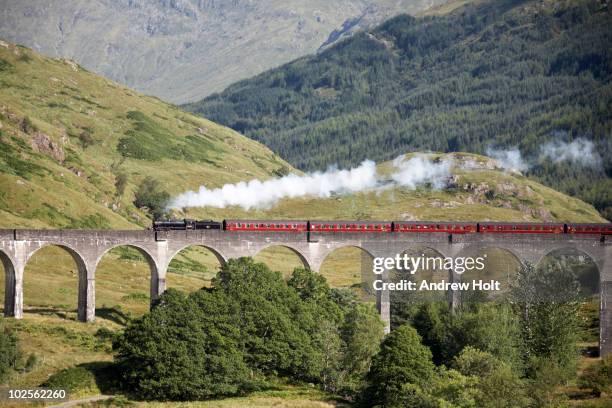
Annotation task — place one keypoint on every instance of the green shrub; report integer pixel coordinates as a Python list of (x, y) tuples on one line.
[(73, 379), (179, 352), (32, 362), (150, 195), (498, 385), (598, 377), (10, 355), (121, 181), (403, 361), (546, 301), (85, 138)]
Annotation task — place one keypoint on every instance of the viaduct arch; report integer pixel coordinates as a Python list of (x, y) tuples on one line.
[(159, 247)]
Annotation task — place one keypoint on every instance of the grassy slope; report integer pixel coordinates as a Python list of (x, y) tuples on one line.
[(63, 101), (485, 193)]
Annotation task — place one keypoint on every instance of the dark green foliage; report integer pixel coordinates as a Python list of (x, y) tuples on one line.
[(490, 327), (72, 379), (546, 301), (10, 354), (31, 362), (348, 333), (498, 385), (85, 138), (86, 378), (401, 361), (149, 140), (185, 349), (491, 74), (361, 334), (250, 325), (121, 181), (151, 196), (598, 377), (273, 322)]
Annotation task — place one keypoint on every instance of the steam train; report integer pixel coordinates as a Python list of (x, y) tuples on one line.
[(386, 226)]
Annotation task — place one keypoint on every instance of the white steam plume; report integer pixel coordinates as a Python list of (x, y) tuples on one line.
[(419, 170), (581, 151), (264, 194), (510, 159)]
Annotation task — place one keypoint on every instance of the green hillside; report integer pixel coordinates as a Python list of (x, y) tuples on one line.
[(75, 146), (479, 190), (465, 78)]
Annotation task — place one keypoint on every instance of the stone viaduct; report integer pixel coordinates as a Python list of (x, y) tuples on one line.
[(88, 246)]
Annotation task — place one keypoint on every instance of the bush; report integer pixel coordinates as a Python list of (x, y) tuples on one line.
[(546, 301), (498, 386), (488, 327), (73, 379), (121, 181), (85, 138), (402, 362), (150, 195), (598, 377), (181, 351), (10, 355), (31, 362)]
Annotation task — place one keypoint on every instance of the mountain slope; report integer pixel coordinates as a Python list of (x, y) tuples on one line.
[(183, 50), (75, 146), (68, 138), (492, 74)]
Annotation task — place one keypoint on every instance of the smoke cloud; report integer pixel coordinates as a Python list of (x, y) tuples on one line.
[(581, 151), (420, 170), (264, 194), (510, 159)]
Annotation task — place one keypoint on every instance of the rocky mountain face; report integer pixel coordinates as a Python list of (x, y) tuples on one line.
[(183, 50)]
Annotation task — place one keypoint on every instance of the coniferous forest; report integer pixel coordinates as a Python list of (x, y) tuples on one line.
[(499, 75)]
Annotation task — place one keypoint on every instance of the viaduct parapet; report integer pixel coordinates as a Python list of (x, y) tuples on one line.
[(87, 247)]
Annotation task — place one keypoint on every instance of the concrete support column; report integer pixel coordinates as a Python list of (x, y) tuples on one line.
[(86, 310), (383, 303), (13, 291), (159, 266), (9, 285), (158, 282), (454, 296), (13, 294)]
